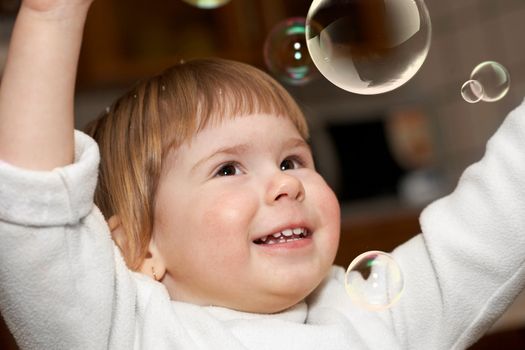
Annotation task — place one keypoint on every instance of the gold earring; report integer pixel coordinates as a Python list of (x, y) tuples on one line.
[(154, 274)]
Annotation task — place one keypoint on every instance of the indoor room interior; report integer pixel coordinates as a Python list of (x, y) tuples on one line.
[(386, 156)]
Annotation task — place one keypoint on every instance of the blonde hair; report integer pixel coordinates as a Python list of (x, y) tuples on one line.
[(161, 113)]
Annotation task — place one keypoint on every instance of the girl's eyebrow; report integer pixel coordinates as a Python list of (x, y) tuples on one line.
[(296, 143), (227, 150)]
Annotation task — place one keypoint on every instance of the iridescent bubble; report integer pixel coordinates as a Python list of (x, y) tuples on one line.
[(374, 280), (488, 82), (472, 91), (286, 54), (207, 4), (368, 46)]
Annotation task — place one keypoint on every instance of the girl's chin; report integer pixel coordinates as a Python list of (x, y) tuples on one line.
[(271, 307)]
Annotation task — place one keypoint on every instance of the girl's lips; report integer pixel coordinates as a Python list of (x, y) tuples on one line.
[(283, 235), (283, 243)]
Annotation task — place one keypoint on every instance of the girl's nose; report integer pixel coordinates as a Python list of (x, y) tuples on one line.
[(283, 186)]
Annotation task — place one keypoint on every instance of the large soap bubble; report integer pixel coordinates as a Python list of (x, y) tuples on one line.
[(374, 281), (286, 54), (207, 4), (368, 46)]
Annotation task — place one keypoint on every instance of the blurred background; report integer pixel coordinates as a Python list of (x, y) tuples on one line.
[(386, 156)]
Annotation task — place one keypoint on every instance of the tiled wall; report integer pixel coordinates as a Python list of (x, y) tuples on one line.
[(464, 34)]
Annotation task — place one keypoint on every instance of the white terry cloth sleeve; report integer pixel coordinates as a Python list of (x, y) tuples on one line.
[(468, 265), (59, 269)]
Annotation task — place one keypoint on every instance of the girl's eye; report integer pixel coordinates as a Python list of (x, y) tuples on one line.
[(227, 170), (289, 164)]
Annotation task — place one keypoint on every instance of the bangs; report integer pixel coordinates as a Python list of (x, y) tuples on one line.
[(205, 92)]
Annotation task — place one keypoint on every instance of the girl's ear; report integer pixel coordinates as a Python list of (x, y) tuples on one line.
[(153, 264), (117, 232)]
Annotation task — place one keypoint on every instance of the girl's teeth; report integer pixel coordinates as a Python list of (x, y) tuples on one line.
[(288, 233), (284, 236)]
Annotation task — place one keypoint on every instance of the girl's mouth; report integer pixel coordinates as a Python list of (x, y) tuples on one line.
[(288, 235)]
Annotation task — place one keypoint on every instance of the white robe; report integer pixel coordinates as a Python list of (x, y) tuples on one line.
[(64, 285)]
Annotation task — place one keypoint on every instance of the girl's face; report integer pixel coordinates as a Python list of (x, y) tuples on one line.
[(242, 219)]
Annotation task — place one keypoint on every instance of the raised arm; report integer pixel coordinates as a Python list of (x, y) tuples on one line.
[(60, 274), (37, 88), (470, 262)]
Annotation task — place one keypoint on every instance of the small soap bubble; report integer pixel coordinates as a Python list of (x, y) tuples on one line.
[(374, 281), (286, 54), (472, 91), (489, 82), (368, 46), (207, 4)]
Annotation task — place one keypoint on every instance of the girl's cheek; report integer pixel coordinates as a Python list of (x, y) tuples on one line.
[(327, 198), (330, 212), (230, 212)]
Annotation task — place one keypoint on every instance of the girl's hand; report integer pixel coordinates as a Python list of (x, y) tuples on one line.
[(56, 8), (38, 84)]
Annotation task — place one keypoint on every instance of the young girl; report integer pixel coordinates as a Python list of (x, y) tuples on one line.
[(225, 234)]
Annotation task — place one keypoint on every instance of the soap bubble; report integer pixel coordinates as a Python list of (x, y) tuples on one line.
[(472, 91), (286, 54), (374, 281), (488, 82), (368, 46), (207, 4)]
